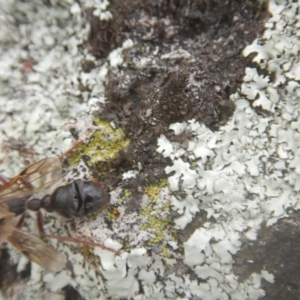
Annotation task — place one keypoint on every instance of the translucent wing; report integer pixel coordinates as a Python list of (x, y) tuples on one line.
[(39, 175), (6, 224), (37, 251), (35, 177)]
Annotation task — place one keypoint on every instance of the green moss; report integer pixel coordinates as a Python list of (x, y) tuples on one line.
[(102, 148)]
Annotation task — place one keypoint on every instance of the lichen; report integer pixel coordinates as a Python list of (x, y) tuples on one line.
[(112, 213), (210, 172), (153, 191), (126, 192), (156, 214), (165, 252), (91, 217), (102, 148)]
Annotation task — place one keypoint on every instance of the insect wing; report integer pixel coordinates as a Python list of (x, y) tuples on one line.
[(39, 175), (6, 224), (37, 251)]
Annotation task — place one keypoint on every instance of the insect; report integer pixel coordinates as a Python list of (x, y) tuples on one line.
[(72, 200), (31, 246), (75, 199), (37, 176)]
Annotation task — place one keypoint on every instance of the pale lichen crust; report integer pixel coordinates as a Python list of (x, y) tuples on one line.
[(247, 173)]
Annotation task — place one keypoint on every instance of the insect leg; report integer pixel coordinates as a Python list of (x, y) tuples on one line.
[(40, 223), (78, 241), (3, 179), (76, 145), (21, 221)]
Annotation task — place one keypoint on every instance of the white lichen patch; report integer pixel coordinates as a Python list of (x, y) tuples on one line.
[(243, 174), (116, 56), (40, 86)]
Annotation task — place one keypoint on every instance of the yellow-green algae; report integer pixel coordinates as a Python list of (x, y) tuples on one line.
[(103, 146), (165, 252), (151, 213), (92, 217), (125, 195), (113, 213)]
